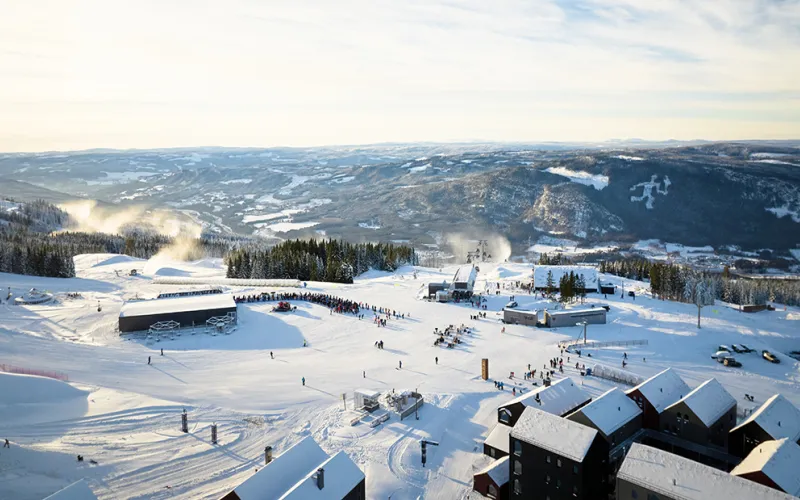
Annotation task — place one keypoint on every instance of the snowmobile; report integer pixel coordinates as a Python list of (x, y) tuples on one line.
[(282, 307)]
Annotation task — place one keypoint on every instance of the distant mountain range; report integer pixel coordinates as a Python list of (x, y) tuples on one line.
[(745, 194)]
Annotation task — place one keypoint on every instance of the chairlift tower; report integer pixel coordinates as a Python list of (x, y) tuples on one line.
[(480, 254), (584, 324)]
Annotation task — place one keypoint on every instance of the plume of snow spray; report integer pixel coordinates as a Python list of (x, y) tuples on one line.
[(459, 244)]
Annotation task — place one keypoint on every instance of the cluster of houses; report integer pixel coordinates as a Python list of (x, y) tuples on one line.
[(659, 440)]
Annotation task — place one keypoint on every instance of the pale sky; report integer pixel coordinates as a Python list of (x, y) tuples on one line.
[(78, 74)]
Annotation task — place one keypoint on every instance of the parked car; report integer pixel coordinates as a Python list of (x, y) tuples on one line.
[(512, 304), (731, 361), (745, 348), (737, 349), (769, 356), (631, 294), (720, 355), (723, 347)]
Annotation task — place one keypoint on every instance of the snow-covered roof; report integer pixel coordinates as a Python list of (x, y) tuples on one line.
[(341, 475), (684, 479), (370, 393), (540, 274), (709, 401), (558, 435), (498, 438), (663, 389), (611, 411), (284, 472), (562, 396), (778, 460), (778, 417), (177, 304), (465, 274), (578, 312), (78, 490), (497, 470)]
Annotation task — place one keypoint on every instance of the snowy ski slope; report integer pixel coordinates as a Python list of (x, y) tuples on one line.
[(125, 414)]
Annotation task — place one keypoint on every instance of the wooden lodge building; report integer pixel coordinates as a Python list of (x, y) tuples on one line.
[(704, 416), (652, 474), (492, 480), (561, 397), (777, 418), (655, 394), (614, 415), (556, 458), (775, 464)]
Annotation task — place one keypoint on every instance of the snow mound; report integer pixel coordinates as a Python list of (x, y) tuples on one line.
[(171, 271), (116, 259), (29, 389)]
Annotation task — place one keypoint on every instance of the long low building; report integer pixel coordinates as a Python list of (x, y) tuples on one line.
[(520, 317), (651, 473), (572, 317), (140, 315)]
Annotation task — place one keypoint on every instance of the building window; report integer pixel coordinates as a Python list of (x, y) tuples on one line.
[(613, 440), (517, 487), (634, 494), (685, 418), (547, 478), (558, 462), (504, 416), (558, 483), (574, 469), (517, 448), (491, 452), (652, 496), (517, 467), (575, 491), (548, 459), (492, 491), (679, 417)]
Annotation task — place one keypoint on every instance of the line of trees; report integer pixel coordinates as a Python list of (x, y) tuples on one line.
[(670, 281), (334, 261)]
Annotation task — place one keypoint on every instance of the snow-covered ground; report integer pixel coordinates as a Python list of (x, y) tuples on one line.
[(125, 414)]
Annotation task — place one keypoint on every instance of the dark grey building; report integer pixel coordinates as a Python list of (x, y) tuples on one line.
[(595, 316), (777, 418), (613, 414), (520, 317), (705, 416), (553, 458), (652, 474), (560, 398), (657, 393), (140, 315)]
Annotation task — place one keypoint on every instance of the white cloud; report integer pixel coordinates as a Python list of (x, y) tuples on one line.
[(91, 73)]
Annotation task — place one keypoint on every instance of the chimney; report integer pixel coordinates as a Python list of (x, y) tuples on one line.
[(320, 478), (268, 454)]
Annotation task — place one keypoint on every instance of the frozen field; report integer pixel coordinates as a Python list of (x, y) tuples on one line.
[(125, 414)]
